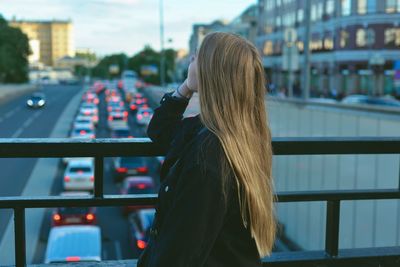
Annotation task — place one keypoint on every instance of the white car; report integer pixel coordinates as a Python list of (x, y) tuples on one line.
[(117, 119), (74, 244), (79, 175), (83, 132), (89, 110), (83, 122), (143, 116)]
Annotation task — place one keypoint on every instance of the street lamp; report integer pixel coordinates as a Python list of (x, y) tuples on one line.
[(162, 58)]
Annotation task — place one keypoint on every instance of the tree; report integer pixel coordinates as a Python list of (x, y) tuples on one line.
[(147, 57), (101, 70), (14, 52)]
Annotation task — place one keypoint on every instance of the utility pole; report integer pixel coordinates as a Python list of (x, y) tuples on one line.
[(306, 52), (162, 58)]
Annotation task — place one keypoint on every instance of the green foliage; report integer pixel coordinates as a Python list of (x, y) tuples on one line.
[(102, 68), (148, 56), (14, 52)]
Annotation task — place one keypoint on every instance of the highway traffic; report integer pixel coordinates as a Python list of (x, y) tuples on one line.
[(120, 236)]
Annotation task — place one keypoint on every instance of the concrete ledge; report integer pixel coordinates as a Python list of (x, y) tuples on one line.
[(121, 263)]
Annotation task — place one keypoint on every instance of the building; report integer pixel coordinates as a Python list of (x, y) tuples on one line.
[(49, 40), (201, 30), (354, 44)]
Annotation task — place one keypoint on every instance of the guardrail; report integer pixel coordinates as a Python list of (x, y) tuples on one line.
[(101, 148)]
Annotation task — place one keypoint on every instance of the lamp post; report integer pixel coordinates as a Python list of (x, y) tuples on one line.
[(162, 57)]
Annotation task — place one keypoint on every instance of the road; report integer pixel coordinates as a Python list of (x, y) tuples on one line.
[(18, 121)]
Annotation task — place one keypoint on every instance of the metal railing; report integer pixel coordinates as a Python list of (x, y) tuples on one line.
[(101, 148)]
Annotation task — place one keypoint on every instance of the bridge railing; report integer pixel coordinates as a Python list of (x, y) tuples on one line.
[(101, 148)]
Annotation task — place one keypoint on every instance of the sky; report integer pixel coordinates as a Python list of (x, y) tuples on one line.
[(113, 26)]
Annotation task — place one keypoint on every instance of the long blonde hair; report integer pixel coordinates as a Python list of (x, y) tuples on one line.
[(231, 90)]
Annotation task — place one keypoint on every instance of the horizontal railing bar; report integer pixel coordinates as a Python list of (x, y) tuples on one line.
[(150, 199), (332, 195), (67, 147), (293, 257)]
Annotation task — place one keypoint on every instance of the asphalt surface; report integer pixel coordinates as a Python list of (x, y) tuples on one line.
[(114, 225), (19, 121)]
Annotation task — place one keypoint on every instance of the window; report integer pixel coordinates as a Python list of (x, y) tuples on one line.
[(346, 7), (313, 13), (392, 37), (392, 6), (328, 43), (300, 15), (362, 6), (268, 48), (344, 38), (330, 7), (371, 6), (361, 38)]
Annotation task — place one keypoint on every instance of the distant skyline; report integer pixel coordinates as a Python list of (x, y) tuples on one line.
[(114, 26)]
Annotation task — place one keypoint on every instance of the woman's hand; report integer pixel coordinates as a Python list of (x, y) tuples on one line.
[(183, 91), (192, 79)]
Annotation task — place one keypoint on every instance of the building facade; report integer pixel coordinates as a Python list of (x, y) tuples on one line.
[(355, 45), (52, 39)]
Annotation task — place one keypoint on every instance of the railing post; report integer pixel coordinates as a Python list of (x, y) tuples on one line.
[(19, 234), (98, 176), (332, 228)]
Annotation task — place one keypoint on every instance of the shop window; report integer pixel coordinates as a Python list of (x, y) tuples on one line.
[(344, 38), (392, 37), (392, 6), (268, 48)]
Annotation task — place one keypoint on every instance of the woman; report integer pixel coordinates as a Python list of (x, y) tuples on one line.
[(215, 205)]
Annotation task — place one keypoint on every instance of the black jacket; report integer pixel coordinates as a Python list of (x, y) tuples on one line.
[(198, 221)]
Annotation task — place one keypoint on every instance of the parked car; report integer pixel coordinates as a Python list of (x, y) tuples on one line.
[(121, 132), (144, 116), (140, 223), (79, 175), (126, 166), (355, 99), (74, 243), (134, 185), (74, 215), (369, 100), (36, 100)]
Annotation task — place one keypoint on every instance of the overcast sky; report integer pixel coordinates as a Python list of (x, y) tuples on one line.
[(109, 26)]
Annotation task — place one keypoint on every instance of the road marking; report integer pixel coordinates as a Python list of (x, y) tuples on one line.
[(26, 125), (118, 253), (11, 112)]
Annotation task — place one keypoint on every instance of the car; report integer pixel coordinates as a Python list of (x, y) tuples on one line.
[(143, 116), (36, 100), (117, 119), (74, 215), (83, 122), (323, 100), (140, 223), (88, 109), (355, 99), (134, 185), (83, 132), (136, 104), (79, 175), (127, 166), (89, 112), (121, 132), (90, 97), (74, 243)]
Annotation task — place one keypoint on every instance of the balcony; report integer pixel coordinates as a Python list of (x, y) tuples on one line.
[(331, 255)]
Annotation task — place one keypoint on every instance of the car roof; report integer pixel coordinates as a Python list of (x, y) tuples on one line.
[(82, 241)]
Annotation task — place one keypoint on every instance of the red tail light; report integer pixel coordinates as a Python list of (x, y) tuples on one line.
[(109, 109), (139, 117), (146, 114), (141, 244), (92, 136), (133, 107), (56, 217), (87, 112), (125, 113), (82, 132), (142, 169), (110, 118), (95, 118), (141, 186), (130, 136), (92, 178), (96, 101), (67, 179), (122, 170), (72, 259), (89, 217)]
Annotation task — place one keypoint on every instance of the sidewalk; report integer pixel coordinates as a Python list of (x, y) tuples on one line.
[(10, 91)]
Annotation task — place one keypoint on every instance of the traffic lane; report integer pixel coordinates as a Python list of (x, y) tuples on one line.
[(15, 115), (15, 172)]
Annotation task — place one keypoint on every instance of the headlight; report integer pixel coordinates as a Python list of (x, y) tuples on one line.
[(41, 102), (29, 102)]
